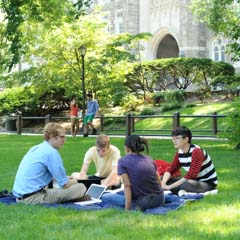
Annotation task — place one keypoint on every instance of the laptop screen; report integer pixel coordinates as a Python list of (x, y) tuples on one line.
[(96, 191)]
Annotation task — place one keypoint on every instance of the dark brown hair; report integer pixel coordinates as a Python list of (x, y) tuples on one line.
[(136, 143), (184, 132)]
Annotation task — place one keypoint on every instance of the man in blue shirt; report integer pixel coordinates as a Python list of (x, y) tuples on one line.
[(92, 110), (41, 164)]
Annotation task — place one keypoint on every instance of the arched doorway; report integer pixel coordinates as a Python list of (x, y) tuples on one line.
[(168, 47)]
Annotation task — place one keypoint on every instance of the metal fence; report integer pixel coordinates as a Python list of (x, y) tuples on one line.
[(209, 125)]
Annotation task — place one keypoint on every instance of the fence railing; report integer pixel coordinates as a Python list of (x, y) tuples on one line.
[(126, 125)]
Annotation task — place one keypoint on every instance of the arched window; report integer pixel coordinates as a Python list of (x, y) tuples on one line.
[(218, 49), (223, 55), (216, 57)]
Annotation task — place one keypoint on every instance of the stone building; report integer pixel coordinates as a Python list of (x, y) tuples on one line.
[(175, 31)]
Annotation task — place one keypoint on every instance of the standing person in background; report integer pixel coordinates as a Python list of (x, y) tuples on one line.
[(74, 116), (200, 174), (41, 164), (92, 111)]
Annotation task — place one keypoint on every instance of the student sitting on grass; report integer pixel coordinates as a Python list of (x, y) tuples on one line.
[(40, 166), (139, 176), (105, 157), (200, 172)]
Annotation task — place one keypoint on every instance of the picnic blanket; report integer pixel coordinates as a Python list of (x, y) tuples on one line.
[(172, 202)]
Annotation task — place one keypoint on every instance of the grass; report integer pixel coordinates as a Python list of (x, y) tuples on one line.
[(214, 217)]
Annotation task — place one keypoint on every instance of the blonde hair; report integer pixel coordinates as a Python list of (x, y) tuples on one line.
[(52, 130), (102, 141)]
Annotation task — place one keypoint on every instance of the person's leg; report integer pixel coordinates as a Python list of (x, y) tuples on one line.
[(196, 186), (72, 126), (57, 195), (85, 126), (90, 123), (76, 126), (150, 201), (117, 199)]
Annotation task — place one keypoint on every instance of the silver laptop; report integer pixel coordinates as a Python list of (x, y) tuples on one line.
[(95, 191)]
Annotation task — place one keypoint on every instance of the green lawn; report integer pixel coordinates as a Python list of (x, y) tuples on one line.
[(214, 217)]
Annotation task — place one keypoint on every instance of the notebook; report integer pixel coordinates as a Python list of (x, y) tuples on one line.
[(89, 182), (95, 191)]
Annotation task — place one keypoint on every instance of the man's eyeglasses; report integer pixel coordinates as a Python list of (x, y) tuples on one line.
[(62, 136), (177, 138)]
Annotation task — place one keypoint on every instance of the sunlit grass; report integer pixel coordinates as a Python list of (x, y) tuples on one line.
[(214, 217)]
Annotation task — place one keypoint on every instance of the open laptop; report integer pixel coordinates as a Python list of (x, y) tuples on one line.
[(89, 182), (95, 191)]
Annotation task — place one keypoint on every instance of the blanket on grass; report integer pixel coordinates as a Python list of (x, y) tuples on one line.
[(172, 202)]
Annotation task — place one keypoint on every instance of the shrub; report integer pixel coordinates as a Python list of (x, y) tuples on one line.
[(171, 106), (147, 111), (158, 98), (190, 105), (131, 102), (174, 96), (17, 99), (114, 121), (232, 130)]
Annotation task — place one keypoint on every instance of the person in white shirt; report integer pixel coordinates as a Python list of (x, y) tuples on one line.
[(105, 157)]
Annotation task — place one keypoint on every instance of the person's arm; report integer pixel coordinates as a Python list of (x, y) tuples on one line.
[(83, 171), (112, 179), (127, 191), (70, 183), (158, 178), (97, 109), (86, 163), (166, 177), (196, 164), (175, 165)]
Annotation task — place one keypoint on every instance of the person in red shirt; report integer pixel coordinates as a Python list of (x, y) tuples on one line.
[(74, 116), (200, 174)]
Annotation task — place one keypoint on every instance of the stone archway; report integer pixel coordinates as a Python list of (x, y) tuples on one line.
[(168, 47)]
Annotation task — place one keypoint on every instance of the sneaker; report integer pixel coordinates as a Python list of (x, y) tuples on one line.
[(85, 135), (94, 132)]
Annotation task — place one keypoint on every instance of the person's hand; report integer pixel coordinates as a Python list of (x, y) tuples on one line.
[(78, 176), (82, 176), (72, 182)]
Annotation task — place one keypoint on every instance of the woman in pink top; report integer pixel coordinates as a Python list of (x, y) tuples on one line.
[(74, 116)]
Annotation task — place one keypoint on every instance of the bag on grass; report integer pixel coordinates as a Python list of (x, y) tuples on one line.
[(4, 193), (162, 167)]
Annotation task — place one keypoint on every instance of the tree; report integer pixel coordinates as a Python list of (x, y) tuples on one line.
[(223, 17), (56, 63), (178, 72), (48, 13)]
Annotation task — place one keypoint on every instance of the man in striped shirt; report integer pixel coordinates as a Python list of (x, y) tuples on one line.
[(200, 174)]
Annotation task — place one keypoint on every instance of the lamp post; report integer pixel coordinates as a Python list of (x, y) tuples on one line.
[(82, 51)]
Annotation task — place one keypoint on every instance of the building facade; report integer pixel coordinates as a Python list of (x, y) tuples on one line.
[(175, 31)]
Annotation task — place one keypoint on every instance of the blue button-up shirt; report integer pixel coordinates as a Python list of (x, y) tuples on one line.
[(38, 167)]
